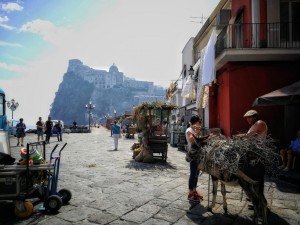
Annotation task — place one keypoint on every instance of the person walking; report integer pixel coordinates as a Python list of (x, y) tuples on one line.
[(21, 127), (49, 126), (58, 127), (40, 125), (74, 125), (116, 131)]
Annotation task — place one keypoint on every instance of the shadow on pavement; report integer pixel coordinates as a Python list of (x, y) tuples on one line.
[(7, 216), (284, 185), (199, 215), (132, 164)]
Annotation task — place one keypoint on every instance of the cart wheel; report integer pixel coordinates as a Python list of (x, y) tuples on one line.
[(53, 203), (66, 195), (27, 212)]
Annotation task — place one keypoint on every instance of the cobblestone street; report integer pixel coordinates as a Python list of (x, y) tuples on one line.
[(109, 187)]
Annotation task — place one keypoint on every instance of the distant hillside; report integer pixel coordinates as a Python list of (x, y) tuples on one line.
[(81, 84)]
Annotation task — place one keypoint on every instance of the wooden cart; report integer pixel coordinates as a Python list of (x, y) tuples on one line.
[(153, 119)]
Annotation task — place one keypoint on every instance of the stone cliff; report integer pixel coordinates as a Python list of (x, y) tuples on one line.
[(109, 90)]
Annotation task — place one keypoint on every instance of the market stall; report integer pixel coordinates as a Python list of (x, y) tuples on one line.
[(152, 118)]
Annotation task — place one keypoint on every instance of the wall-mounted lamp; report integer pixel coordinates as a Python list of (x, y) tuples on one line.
[(192, 73)]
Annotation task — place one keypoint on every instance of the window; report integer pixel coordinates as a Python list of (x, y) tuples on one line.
[(290, 21)]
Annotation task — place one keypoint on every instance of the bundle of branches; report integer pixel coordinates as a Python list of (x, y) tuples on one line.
[(232, 154), (146, 111)]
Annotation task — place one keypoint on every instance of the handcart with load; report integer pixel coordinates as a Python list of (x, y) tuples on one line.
[(152, 118), (33, 180)]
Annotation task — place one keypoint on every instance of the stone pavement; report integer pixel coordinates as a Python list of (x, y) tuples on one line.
[(109, 187)]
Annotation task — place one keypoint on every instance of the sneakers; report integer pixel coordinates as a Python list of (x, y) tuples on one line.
[(18, 144), (199, 195), (286, 169), (195, 197), (22, 145)]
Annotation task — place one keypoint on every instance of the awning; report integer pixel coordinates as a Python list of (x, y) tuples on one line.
[(284, 96)]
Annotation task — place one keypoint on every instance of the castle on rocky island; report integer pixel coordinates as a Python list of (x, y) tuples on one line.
[(112, 78)]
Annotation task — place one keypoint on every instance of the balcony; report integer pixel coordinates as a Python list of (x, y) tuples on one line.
[(258, 42)]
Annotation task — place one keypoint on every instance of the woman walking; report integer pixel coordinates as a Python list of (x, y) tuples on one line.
[(116, 131)]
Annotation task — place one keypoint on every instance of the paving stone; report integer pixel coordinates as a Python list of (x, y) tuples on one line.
[(149, 208), (170, 214), (137, 216), (190, 219), (102, 218), (153, 221), (217, 219), (54, 220), (284, 204), (286, 213), (77, 214), (83, 222), (180, 204), (160, 202), (171, 196), (122, 222), (139, 200), (120, 209), (102, 204)]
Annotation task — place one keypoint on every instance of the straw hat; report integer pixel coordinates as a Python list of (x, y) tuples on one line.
[(251, 113)]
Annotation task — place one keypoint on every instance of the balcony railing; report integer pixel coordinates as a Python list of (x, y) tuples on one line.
[(258, 35)]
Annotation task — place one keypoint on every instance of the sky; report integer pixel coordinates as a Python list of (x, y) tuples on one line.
[(143, 38)]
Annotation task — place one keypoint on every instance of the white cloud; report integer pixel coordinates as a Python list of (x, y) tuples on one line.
[(7, 27), (3, 19), (47, 30), (2, 43), (12, 68), (11, 6)]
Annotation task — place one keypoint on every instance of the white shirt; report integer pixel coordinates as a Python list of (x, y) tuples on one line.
[(190, 129)]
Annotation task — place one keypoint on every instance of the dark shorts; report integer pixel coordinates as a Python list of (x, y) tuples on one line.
[(20, 135), (40, 132)]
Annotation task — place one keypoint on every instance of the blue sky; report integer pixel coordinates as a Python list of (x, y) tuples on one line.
[(144, 38)]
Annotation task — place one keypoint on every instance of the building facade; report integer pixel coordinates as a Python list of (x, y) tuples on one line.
[(257, 50)]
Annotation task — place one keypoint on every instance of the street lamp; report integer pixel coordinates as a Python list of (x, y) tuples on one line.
[(90, 107), (12, 105), (115, 113)]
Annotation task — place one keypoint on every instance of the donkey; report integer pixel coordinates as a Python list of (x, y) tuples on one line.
[(251, 183)]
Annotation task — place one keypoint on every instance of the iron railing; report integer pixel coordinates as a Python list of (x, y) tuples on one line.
[(258, 35)]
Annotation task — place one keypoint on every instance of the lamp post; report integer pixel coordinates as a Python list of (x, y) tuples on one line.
[(90, 107), (12, 105), (115, 113)]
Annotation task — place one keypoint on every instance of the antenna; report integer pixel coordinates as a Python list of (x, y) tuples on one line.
[(202, 18)]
